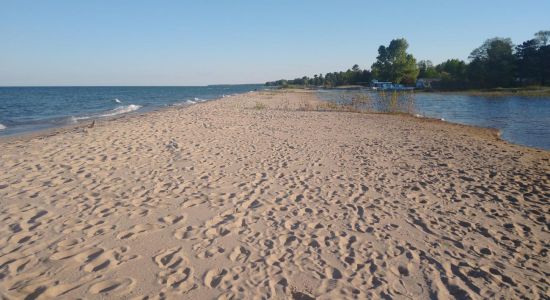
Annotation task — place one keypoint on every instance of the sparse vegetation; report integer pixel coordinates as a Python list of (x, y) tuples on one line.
[(259, 106), (354, 101)]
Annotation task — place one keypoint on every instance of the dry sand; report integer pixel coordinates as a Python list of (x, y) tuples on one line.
[(253, 196)]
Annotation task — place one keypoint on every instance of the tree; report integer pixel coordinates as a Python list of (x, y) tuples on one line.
[(455, 68), (493, 63), (528, 61), (395, 64), (426, 69), (496, 63), (366, 76), (544, 58), (453, 74), (543, 36)]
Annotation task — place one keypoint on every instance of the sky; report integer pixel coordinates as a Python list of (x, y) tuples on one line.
[(133, 42)]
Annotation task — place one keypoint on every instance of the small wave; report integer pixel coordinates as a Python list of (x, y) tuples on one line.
[(2, 127), (197, 99), (184, 103), (117, 101), (121, 110), (76, 119), (117, 111)]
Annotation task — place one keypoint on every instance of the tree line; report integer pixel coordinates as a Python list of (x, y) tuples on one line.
[(496, 63)]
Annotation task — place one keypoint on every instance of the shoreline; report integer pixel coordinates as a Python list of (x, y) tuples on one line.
[(262, 195), (507, 92), (41, 133), (81, 125)]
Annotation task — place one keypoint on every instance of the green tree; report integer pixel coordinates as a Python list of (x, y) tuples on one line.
[(493, 63), (366, 77), (528, 61), (544, 58), (543, 36), (395, 64), (454, 68), (452, 73), (427, 70)]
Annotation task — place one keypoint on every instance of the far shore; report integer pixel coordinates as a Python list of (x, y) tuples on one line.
[(497, 92), (272, 194)]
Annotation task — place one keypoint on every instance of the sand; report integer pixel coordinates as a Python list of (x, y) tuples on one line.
[(256, 196)]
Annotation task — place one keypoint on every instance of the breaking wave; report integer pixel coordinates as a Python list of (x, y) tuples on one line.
[(123, 109)]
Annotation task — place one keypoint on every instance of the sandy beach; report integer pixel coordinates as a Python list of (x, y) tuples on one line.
[(261, 195)]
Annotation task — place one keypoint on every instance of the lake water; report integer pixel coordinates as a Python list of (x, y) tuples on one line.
[(521, 120), (25, 109)]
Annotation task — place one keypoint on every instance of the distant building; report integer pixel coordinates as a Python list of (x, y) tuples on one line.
[(381, 85), (426, 83), (386, 85)]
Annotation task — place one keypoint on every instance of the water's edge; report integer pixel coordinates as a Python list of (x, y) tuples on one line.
[(65, 128), (518, 120), (32, 109)]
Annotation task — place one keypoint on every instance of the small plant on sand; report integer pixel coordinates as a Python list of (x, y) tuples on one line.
[(259, 106), (392, 102)]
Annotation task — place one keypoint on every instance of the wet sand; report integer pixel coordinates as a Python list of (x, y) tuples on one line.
[(261, 195)]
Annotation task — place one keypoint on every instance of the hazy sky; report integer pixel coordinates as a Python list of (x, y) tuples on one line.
[(207, 42)]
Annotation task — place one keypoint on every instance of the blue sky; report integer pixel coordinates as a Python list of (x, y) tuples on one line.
[(208, 42)]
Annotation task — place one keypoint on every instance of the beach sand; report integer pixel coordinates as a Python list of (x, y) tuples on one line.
[(259, 196)]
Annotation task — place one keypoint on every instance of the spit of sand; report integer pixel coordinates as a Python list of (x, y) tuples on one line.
[(257, 195)]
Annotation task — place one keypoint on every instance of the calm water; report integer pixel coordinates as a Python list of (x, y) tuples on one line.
[(521, 120), (24, 109)]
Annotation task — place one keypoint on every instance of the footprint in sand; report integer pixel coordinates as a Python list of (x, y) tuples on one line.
[(175, 274), (171, 219), (113, 287), (185, 233), (105, 259), (35, 286), (214, 277), (136, 230), (239, 254), (92, 259), (80, 254), (208, 252)]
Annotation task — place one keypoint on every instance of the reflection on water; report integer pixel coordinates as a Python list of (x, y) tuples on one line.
[(521, 120)]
